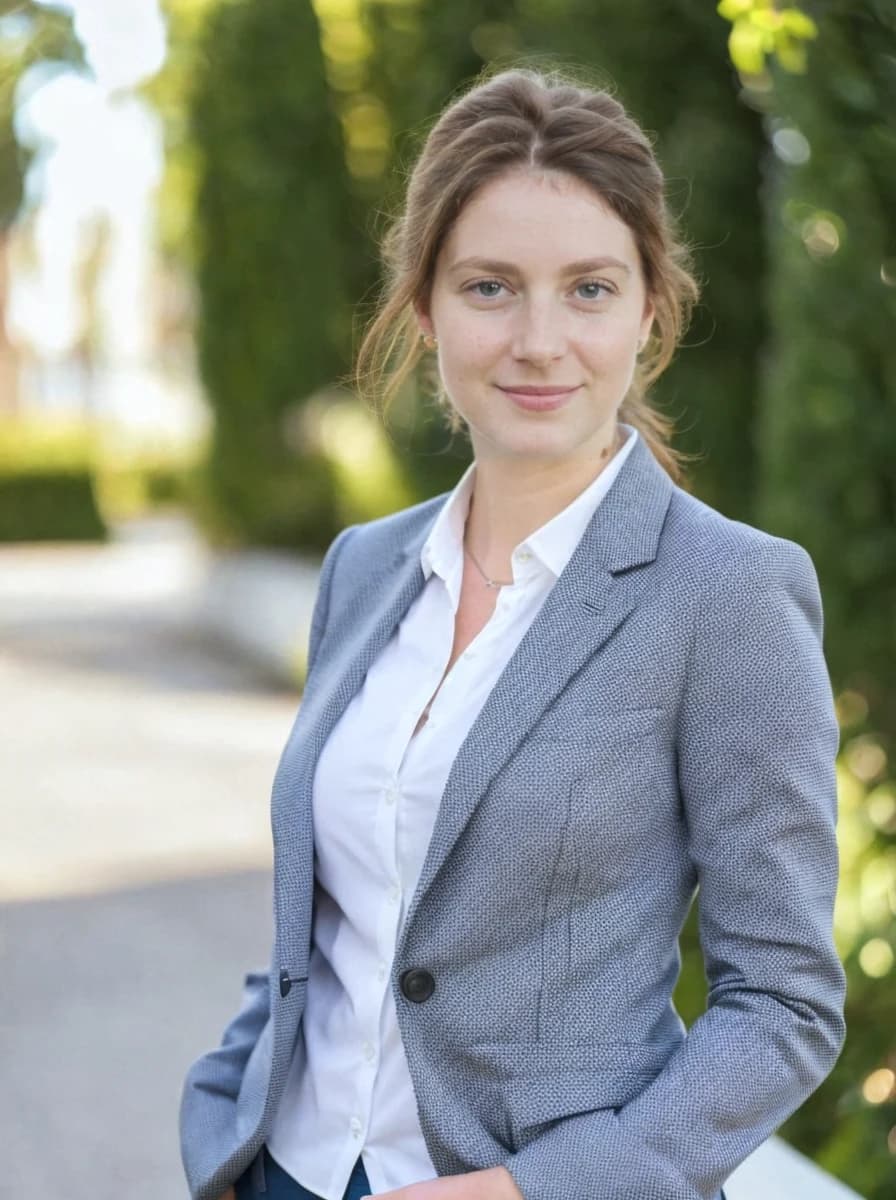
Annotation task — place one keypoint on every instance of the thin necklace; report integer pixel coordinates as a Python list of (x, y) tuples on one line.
[(492, 583), (497, 583)]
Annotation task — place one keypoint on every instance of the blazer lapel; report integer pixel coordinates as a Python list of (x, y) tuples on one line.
[(378, 611), (591, 598), (375, 613)]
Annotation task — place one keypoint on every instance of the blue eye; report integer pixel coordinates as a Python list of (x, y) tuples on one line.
[(595, 283), (485, 283), (598, 290)]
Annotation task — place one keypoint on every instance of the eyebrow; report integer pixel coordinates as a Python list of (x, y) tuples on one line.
[(582, 267)]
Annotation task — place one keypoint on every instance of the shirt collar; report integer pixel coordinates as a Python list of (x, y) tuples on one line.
[(552, 544), (444, 545)]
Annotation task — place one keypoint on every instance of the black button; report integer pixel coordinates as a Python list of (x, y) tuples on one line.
[(417, 985), (285, 982)]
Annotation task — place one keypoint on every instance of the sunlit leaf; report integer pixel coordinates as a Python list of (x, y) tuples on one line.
[(798, 23), (746, 45), (732, 10)]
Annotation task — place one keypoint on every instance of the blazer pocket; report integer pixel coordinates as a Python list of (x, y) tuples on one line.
[(574, 731), (546, 1081)]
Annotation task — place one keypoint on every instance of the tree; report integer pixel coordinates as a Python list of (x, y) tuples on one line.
[(273, 239)]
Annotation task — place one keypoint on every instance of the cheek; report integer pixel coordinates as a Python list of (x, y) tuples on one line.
[(466, 361), (611, 346)]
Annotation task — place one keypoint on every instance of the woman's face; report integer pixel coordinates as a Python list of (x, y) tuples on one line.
[(538, 286)]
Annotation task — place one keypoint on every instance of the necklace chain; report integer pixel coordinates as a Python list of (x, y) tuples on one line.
[(492, 583), (497, 583)]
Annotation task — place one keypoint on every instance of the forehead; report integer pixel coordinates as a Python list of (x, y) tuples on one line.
[(546, 215)]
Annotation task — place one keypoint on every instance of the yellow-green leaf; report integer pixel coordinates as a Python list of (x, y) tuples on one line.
[(798, 24), (747, 45), (733, 10)]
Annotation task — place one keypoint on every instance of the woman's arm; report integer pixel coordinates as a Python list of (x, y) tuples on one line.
[(322, 602), (211, 1087), (757, 744)]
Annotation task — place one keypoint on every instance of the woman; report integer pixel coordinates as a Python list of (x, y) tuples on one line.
[(539, 714)]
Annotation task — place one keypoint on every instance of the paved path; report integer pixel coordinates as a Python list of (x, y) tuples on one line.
[(134, 857)]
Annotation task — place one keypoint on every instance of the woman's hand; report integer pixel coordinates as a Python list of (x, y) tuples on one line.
[(494, 1183)]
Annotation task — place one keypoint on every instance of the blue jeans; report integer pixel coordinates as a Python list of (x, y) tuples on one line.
[(265, 1179)]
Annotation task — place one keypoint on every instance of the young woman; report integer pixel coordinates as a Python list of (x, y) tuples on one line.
[(541, 712)]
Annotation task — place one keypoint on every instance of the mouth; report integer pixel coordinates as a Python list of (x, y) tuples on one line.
[(538, 399)]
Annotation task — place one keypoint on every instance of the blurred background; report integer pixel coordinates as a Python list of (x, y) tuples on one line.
[(191, 193)]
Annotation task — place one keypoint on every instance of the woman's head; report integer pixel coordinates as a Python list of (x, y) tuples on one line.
[(550, 173)]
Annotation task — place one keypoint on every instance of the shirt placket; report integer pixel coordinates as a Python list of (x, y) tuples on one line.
[(386, 848)]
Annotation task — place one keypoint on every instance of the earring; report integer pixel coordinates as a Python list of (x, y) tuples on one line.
[(429, 341)]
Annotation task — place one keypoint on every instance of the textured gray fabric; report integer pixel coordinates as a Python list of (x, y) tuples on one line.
[(666, 722)]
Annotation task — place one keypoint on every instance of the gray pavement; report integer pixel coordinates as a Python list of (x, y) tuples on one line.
[(135, 855)]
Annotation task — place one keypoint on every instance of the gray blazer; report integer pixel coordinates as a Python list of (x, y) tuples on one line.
[(666, 723)]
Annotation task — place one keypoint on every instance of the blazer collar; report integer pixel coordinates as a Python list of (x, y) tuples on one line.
[(624, 531)]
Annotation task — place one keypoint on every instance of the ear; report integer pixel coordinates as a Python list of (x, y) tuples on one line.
[(421, 310), (646, 320)]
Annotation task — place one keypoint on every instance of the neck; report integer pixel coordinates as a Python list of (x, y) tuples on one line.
[(511, 499)]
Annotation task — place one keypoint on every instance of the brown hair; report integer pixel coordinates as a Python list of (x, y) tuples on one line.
[(544, 120)]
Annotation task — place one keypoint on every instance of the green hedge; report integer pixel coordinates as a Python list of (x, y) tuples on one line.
[(274, 236), (51, 505)]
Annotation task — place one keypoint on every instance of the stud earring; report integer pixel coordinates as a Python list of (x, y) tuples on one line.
[(429, 341)]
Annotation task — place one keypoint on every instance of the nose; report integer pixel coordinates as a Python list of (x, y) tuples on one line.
[(539, 335)]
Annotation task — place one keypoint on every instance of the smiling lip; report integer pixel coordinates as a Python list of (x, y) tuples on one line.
[(538, 399)]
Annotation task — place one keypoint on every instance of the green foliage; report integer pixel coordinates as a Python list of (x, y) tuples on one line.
[(125, 478), (49, 506), (171, 91), (46, 484), (132, 486), (763, 29), (832, 376), (273, 238), (828, 443)]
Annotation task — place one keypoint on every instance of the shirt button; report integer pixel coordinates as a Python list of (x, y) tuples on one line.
[(390, 795), (394, 893), (355, 1126), (369, 1052), (524, 556), (381, 971)]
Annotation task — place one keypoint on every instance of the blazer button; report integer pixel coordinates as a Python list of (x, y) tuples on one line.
[(417, 985), (285, 983)]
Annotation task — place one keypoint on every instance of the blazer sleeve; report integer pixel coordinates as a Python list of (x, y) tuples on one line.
[(212, 1084), (757, 742)]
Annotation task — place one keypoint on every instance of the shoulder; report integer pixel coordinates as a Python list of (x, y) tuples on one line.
[(714, 550), (377, 541)]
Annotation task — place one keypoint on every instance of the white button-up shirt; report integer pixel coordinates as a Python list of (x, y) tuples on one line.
[(376, 793)]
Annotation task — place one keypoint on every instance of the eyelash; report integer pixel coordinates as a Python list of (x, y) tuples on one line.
[(585, 283)]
